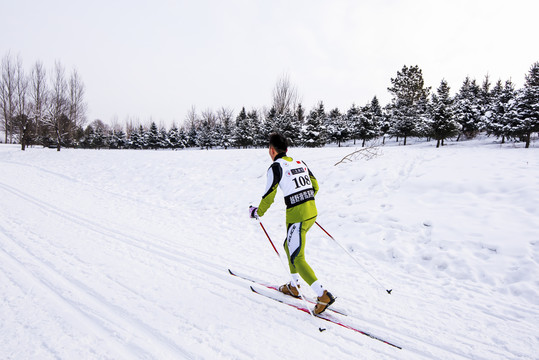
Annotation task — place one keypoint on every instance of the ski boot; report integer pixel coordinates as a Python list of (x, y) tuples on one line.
[(323, 302), (289, 289)]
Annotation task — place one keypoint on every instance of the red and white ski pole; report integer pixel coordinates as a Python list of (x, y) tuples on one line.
[(353, 257)]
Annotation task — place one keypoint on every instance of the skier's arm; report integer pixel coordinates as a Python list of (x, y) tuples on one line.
[(274, 176)]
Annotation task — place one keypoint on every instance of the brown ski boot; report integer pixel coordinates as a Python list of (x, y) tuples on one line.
[(323, 302), (289, 289)]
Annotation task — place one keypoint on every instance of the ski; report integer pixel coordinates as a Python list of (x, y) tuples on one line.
[(322, 316), (273, 287)]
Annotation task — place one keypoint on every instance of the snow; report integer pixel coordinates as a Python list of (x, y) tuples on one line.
[(124, 254)]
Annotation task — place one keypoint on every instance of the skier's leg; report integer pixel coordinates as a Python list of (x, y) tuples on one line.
[(295, 250)]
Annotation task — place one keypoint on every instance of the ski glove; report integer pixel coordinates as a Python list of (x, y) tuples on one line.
[(253, 212)]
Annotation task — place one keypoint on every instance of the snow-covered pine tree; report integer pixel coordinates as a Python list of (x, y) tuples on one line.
[(191, 136), (443, 124), (118, 139), (174, 137), (136, 138), (256, 129), (498, 118), (164, 141), (300, 116), (287, 125), (269, 125), (467, 108), (385, 122), (376, 109), (243, 133), (527, 110), (182, 138), (337, 128), (403, 121), (485, 101), (409, 101), (311, 130), (323, 117), (353, 119), (87, 138), (216, 133), (98, 140), (204, 138), (369, 121), (224, 116), (191, 127), (152, 137)]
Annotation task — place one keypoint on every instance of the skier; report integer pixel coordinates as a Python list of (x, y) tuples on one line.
[(299, 187)]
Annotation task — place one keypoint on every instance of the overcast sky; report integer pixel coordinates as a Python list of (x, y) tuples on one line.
[(159, 58)]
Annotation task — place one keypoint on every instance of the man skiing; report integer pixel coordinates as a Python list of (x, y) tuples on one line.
[(299, 187)]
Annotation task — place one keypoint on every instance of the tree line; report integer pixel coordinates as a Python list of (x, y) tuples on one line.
[(40, 108), (51, 112)]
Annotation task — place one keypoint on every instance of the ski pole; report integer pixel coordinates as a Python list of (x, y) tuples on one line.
[(353, 257), (286, 269)]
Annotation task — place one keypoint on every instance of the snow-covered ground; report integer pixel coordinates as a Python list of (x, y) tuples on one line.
[(124, 254)]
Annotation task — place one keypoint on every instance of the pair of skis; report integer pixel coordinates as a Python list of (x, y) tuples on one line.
[(329, 315)]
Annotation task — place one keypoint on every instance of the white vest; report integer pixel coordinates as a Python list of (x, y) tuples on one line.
[(295, 182)]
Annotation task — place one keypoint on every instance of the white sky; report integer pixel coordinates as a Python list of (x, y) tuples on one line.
[(159, 58)]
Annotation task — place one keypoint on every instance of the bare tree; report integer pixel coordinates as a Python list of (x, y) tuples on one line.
[(76, 104), (209, 116), (38, 98), (57, 117), (192, 118), (21, 120), (285, 96), (7, 95)]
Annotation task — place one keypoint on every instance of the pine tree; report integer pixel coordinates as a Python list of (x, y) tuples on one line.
[(287, 126), (183, 140), (485, 100), (174, 137), (468, 108), (118, 139), (164, 141), (300, 115), (353, 119), (337, 128), (311, 130), (386, 122), (528, 106), (87, 137), (368, 126), (409, 101), (498, 117), (404, 121), (268, 125), (243, 133), (370, 117), (443, 124), (136, 138), (152, 137), (227, 128), (204, 135), (191, 136), (98, 140), (256, 127)]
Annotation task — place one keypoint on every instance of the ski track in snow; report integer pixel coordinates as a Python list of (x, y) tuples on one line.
[(125, 263)]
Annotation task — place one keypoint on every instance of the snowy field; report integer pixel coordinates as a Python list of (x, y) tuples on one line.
[(124, 254)]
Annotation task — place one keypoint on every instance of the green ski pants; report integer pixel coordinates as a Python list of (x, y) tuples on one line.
[(294, 246)]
